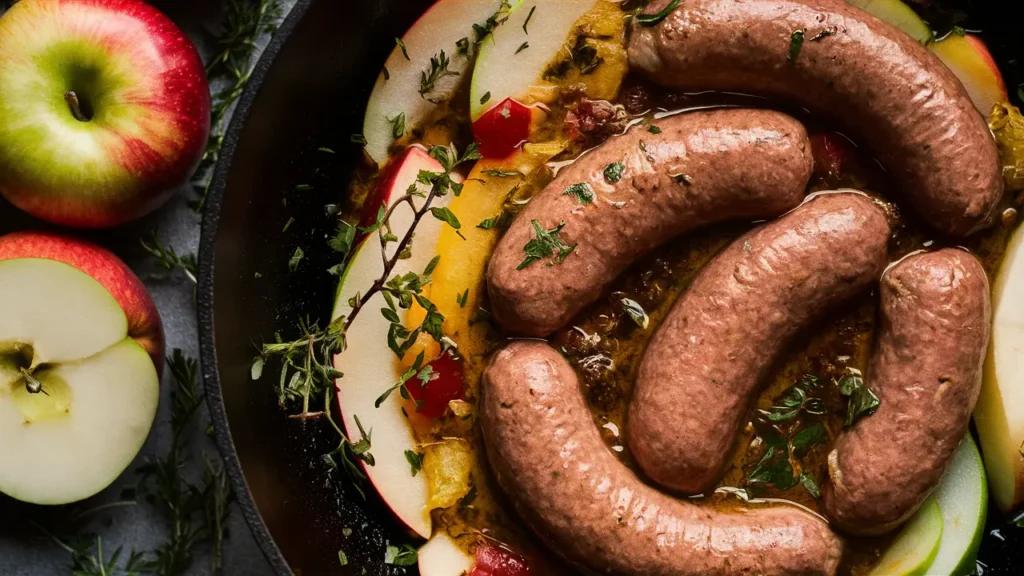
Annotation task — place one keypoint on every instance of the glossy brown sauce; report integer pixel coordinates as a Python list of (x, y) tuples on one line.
[(605, 346)]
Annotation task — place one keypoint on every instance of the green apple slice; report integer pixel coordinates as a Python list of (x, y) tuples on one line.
[(370, 367), (899, 15), (441, 556), (915, 547), (999, 415), (963, 500), (502, 72), (78, 396)]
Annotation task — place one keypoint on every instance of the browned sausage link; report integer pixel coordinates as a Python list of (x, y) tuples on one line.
[(900, 99), (701, 370), (703, 167), (549, 458), (926, 370)]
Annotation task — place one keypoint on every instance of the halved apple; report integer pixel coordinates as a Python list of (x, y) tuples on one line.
[(969, 58), (999, 415), (78, 394), (368, 364), (899, 15), (442, 556), (399, 90), (963, 500), (915, 547), (521, 51)]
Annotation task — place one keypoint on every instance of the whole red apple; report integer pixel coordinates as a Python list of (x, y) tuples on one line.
[(104, 109), (81, 346)]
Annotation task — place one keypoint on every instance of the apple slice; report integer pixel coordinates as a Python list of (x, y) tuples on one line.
[(504, 68), (439, 28), (79, 395), (370, 367), (963, 500), (441, 556), (969, 58), (915, 547), (899, 15), (502, 129), (999, 415)]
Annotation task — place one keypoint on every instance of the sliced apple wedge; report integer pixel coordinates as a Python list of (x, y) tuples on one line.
[(899, 15), (963, 500), (915, 547), (505, 68), (999, 415), (969, 58), (78, 395), (441, 556), (399, 91), (370, 367)]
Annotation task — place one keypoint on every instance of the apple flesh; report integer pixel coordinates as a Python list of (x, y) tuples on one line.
[(963, 500), (370, 367), (439, 28), (999, 415), (441, 556), (969, 58), (104, 109), (78, 395), (915, 547), (501, 72), (899, 15)]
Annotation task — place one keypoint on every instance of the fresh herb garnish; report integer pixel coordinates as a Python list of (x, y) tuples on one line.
[(358, 139), (862, 401), (500, 221), (582, 56), (387, 75), (493, 21), (545, 244), (404, 556), (528, 17), (462, 47), (522, 47), (811, 485), (635, 311), (804, 439), (401, 45), (796, 43), (501, 173), (415, 460), (168, 258), (293, 262), (653, 129), (796, 400), (485, 98), (461, 299), (581, 191), (342, 558), (438, 69), (649, 20), (613, 172), (397, 125)]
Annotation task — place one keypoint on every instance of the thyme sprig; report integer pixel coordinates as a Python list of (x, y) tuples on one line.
[(168, 258), (307, 374), (244, 22)]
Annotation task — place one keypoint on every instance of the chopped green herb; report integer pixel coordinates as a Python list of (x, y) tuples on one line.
[(343, 238), (501, 173), (649, 20), (497, 19), (613, 172), (545, 244), (804, 439), (387, 75), (522, 47), (445, 215), (528, 17), (415, 461), (461, 299), (774, 469), (397, 126), (293, 262), (325, 150), (401, 45), (358, 139), (462, 46), (581, 55), (794, 400), (438, 69), (811, 485), (862, 401), (500, 221), (287, 225), (303, 187), (653, 129), (406, 556), (636, 312), (796, 43), (470, 496), (485, 98), (581, 191), (342, 558)]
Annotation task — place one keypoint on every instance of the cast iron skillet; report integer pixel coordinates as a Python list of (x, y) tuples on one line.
[(309, 91)]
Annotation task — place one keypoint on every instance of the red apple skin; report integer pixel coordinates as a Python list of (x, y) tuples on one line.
[(160, 159), (414, 157), (144, 324), (502, 129)]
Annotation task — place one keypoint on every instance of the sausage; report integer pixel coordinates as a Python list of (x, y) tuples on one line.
[(926, 370), (701, 369), (703, 167), (548, 456), (898, 98)]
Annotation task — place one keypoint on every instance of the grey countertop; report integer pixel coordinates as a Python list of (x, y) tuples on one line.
[(26, 552)]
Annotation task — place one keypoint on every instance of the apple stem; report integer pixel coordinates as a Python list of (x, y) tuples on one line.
[(76, 107), (33, 385)]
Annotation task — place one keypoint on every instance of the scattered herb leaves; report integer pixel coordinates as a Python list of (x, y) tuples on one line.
[(796, 43), (862, 401), (613, 172), (545, 244), (405, 51), (397, 125), (653, 129), (581, 191), (485, 98), (415, 460), (438, 69), (528, 18), (649, 20), (522, 47)]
